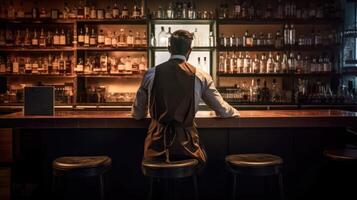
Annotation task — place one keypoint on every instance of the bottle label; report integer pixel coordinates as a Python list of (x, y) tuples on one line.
[(101, 39), (62, 40), (81, 39)]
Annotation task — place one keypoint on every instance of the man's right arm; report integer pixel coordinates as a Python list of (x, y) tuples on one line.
[(215, 101)]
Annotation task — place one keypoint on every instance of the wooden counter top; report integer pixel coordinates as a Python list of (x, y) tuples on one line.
[(204, 119)]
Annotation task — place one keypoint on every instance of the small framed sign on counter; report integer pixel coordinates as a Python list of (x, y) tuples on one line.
[(39, 100)]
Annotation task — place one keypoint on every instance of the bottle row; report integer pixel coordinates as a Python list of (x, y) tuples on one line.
[(100, 94), (51, 64), (182, 10), (162, 39), (76, 11), (319, 92), (64, 93), (100, 38), (34, 38), (279, 9), (64, 64), (105, 64), (231, 63), (258, 91), (279, 40)]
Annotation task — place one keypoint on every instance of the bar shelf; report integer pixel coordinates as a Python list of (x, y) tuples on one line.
[(193, 49), (277, 74), (314, 21), (134, 76), (111, 48), (284, 48), (38, 75), (20, 49), (113, 21), (37, 21), (182, 21)]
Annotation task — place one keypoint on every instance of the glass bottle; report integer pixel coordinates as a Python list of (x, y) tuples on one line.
[(122, 39), (101, 38), (62, 38), (162, 38), (125, 12), (137, 40), (81, 37), (114, 39), (86, 37), (115, 11), (108, 39), (42, 40), (130, 39), (34, 41), (56, 38), (93, 39)]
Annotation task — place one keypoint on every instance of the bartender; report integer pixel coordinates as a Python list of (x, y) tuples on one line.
[(171, 92)]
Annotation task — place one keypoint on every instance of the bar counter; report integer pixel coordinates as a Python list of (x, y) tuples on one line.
[(204, 119), (298, 136)]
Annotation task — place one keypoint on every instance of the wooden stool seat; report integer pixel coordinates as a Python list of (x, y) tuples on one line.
[(80, 167), (162, 170), (174, 169), (253, 160), (255, 165), (341, 154)]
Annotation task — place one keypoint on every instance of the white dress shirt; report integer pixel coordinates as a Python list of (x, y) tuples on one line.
[(204, 90)]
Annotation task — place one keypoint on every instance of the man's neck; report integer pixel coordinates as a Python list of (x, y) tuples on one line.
[(179, 57)]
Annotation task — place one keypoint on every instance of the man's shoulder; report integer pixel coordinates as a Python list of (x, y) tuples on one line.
[(202, 75)]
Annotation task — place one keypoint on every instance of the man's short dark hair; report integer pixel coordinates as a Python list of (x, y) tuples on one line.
[(180, 42)]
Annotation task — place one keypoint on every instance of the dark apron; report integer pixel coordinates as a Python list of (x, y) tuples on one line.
[(172, 133)]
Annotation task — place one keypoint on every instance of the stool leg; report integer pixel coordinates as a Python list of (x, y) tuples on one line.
[(281, 186), (234, 186), (101, 187), (195, 186), (151, 188)]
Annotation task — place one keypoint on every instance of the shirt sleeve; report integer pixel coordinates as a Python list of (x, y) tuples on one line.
[(139, 109), (215, 101)]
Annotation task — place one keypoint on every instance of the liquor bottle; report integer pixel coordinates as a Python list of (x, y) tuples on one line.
[(18, 39), (237, 9), (62, 38), (93, 13), (93, 39), (275, 94), (8, 68), (115, 11), (144, 40), (240, 63), (143, 65), (306, 65), (130, 39), (136, 12), (170, 11), (61, 65), (247, 40), (153, 41), (122, 42), (255, 40), (285, 64), (68, 65), (256, 65), (86, 37), (279, 11), (162, 38), (56, 38), (278, 40), (21, 11), (100, 14), (80, 10), (125, 12), (69, 38), (108, 13), (299, 64), (101, 38), (115, 39), (265, 93), (137, 40), (247, 64), (11, 10), (277, 63), (233, 41), (292, 63), (108, 39), (128, 65), (28, 66), (79, 67), (35, 11), (35, 66), (121, 66), (9, 37), (87, 11), (292, 35), (168, 36), (49, 39), (286, 35), (66, 11), (211, 39), (270, 64), (263, 64), (50, 67), (34, 41), (42, 40), (15, 66)]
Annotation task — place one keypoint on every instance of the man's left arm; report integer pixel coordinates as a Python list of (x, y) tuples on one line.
[(139, 109)]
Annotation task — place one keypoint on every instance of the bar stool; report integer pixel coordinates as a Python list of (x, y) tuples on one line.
[(342, 164), (173, 170), (80, 167), (255, 165)]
